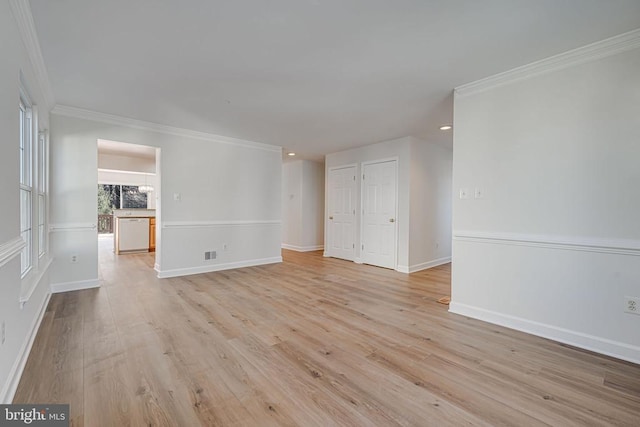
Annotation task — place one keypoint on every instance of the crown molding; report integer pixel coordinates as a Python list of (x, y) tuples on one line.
[(22, 14), (591, 52), (81, 113)]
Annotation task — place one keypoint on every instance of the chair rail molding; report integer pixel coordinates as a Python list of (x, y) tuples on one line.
[(581, 244), (223, 223), (10, 249)]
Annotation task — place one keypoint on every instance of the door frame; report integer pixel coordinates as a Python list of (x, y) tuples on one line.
[(327, 198), (395, 159)]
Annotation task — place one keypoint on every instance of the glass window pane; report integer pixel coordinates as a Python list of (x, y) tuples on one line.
[(22, 153), (25, 210), (25, 255), (132, 198), (41, 163), (25, 228), (41, 217)]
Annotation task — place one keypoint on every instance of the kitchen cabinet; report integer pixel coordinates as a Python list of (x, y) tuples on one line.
[(152, 234)]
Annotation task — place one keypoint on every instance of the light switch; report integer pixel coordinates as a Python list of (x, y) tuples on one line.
[(464, 193), (479, 194), (177, 197)]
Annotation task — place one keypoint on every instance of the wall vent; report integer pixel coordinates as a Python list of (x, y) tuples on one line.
[(210, 255)]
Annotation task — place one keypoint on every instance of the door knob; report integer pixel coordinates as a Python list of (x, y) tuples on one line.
[(330, 217), (392, 220)]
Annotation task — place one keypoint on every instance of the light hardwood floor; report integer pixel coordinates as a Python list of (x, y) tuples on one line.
[(309, 342)]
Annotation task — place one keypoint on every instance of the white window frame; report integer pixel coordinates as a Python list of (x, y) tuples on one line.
[(26, 183), (42, 174)]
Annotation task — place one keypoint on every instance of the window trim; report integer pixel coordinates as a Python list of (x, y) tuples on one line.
[(26, 180), (42, 193)]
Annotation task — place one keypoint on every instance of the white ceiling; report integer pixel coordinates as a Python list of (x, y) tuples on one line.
[(313, 76)]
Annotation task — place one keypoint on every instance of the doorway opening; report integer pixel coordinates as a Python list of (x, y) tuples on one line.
[(128, 202)]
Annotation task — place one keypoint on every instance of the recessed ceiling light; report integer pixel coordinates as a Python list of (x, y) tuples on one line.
[(291, 153), (445, 127)]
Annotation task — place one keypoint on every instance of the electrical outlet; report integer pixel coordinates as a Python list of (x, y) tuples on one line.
[(73, 259), (632, 305), (224, 247), (4, 332)]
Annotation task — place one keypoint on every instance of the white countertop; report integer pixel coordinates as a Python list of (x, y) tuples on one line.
[(140, 213)]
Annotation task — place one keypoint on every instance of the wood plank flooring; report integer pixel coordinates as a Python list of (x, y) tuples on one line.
[(309, 342)]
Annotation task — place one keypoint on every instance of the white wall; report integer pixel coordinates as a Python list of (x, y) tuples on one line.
[(126, 163), (292, 204), (430, 205), (21, 321), (303, 205), (313, 204), (229, 195), (553, 246)]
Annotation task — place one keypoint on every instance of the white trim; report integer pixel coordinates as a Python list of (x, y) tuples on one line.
[(78, 226), (80, 113), (591, 52), (423, 265), (10, 387), (10, 249), (24, 19), (206, 224), (56, 288), (302, 248), (581, 244), (605, 346), (218, 267), (33, 281), (349, 165)]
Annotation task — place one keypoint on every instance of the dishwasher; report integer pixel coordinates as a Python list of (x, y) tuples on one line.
[(133, 234)]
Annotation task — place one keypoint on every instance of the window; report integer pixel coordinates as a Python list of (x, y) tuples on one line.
[(115, 196), (26, 189), (42, 193), (133, 198)]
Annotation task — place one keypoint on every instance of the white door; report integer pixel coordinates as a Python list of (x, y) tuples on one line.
[(342, 213), (379, 209)]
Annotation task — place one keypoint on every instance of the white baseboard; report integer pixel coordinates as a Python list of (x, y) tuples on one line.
[(423, 265), (593, 343), (74, 286), (9, 389), (163, 274), (302, 248)]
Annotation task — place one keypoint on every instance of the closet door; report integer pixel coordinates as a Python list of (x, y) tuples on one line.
[(342, 213), (379, 207)]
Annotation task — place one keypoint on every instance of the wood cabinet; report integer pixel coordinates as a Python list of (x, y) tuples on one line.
[(152, 234)]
